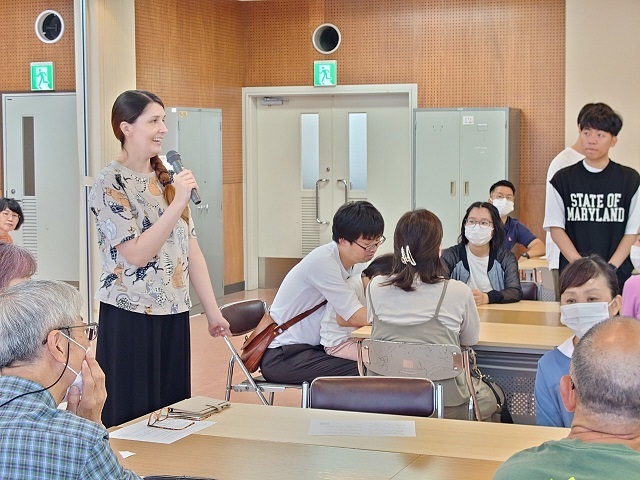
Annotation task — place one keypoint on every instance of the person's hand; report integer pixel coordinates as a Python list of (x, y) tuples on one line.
[(94, 393), (184, 182), (218, 325), (479, 297)]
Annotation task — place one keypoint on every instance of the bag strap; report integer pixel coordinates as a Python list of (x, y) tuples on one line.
[(290, 323), (472, 390)]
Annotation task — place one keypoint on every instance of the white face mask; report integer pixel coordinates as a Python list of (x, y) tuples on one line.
[(635, 256), (580, 317), (477, 235), (78, 380), (504, 206)]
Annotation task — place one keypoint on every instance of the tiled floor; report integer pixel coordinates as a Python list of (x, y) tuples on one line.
[(210, 359)]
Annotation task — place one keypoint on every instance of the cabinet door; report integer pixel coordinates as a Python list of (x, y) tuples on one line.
[(437, 168), (483, 158)]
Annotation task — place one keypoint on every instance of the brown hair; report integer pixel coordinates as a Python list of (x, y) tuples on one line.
[(15, 262), (419, 231), (584, 269), (127, 108)]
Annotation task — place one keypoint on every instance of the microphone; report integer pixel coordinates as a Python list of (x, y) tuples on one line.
[(175, 161)]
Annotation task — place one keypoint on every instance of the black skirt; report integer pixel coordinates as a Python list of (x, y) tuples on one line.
[(146, 360)]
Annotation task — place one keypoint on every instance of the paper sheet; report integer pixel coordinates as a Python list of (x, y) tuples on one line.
[(143, 433), (126, 454), (364, 428)]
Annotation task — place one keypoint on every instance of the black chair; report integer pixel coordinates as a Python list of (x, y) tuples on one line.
[(243, 317), (529, 290), (390, 395)]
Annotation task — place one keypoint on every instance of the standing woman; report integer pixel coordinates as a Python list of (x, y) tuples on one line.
[(10, 218), (480, 260), (149, 253)]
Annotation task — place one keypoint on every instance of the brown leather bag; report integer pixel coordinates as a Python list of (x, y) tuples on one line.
[(254, 347)]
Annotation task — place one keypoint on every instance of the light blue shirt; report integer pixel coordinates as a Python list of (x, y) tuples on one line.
[(552, 367)]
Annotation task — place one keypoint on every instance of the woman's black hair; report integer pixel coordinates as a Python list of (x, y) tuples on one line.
[(497, 239), (381, 265), (579, 272)]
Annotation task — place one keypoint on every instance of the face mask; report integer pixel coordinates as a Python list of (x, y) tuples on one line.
[(504, 206), (78, 380), (477, 235), (635, 257), (580, 317)]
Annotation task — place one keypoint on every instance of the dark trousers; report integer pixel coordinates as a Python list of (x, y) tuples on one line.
[(300, 363), (146, 360)]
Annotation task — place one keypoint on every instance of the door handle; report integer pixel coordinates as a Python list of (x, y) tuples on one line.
[(346, 189), (452, 189), (318, 200), (466, 188)]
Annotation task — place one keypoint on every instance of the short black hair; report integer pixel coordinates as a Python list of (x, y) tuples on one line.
[(502, 183), (354, 219), (602, 117), (381, 265), (498, 229), (583, 110), (14, 206)]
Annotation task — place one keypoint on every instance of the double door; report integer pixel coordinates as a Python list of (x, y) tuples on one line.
[(196, 133), (315, 153), (458, 155)]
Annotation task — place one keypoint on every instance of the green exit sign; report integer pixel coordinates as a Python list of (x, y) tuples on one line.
[(42, 76), (325, 73)]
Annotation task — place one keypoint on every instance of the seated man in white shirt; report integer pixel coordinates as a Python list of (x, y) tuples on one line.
[(602, 391), (296, 355)]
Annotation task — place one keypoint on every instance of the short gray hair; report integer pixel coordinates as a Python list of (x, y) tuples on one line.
[(608, 381), (29, 311)]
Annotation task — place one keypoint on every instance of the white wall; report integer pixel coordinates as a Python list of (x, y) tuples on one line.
[(603, 65)]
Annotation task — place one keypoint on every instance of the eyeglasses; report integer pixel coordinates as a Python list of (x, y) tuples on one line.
[(482, 223), (162, 419), (10, 214), (372, 246), (171, 418), (500, 196), (90, 330)]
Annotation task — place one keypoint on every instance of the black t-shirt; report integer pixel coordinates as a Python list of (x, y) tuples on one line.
[(596, 208)]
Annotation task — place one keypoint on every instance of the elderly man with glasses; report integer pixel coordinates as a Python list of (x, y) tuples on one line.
[(45, 359)]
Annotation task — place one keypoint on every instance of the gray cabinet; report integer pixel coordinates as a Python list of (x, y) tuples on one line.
[(196, 134), (458, 154)]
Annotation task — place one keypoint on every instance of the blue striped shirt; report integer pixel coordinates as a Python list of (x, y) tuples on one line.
[(38, 441)]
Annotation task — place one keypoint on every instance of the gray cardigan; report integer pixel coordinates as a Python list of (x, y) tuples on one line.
[(502, 271)]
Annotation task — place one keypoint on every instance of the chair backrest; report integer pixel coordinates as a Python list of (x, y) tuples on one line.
[(418, 360), (390, 395), (529, 290), (243, 316)]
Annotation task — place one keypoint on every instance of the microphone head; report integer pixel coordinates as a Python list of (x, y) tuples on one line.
[(173, 156)]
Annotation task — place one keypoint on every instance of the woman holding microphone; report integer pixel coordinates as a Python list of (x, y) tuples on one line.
[(149, 253)]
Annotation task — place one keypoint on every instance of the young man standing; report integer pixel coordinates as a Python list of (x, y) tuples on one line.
[(296, 355), (502, 195), (592, 206)]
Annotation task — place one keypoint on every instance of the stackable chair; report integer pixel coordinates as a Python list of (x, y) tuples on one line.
[(414, 360), (243, 317), (391, 395)]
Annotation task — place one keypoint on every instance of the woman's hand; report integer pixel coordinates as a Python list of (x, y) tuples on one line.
[(218, 326), (184, 182), (480, 297)]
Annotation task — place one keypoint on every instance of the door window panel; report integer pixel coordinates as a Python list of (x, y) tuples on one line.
[(358, 151)]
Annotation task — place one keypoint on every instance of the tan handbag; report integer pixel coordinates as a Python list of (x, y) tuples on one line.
[(254, 347)]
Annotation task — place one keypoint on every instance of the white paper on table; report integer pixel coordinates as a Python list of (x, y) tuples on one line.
[(361, 428), (142, 432), (126, 454)]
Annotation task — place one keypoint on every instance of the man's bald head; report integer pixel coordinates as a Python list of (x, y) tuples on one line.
[(605, 369)]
